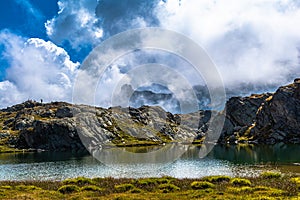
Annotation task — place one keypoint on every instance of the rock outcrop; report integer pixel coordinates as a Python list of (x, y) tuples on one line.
[(278, 119), (60, 126), (240, 115), (262, 119), (266, 118)]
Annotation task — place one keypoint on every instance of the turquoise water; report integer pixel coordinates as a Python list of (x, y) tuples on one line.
[(222, 160)]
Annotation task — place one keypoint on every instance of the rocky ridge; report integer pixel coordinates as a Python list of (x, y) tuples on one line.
[(261, 119)]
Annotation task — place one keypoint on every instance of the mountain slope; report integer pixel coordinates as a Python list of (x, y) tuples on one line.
[(263, 119)]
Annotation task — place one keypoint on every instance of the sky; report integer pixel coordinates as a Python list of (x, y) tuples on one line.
[(255, 44)]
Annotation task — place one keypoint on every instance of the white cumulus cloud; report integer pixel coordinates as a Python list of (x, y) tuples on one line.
[(254, 43), (38, 70), (76, 22), (251, 41)]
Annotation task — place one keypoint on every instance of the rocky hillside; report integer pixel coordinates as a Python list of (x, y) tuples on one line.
[(263, 119), (61, 126)]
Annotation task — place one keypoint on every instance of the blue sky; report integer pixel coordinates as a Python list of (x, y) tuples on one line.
[(254, 43), (25, 18)]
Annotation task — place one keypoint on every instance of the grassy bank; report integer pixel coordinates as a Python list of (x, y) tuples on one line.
[(269, 185)]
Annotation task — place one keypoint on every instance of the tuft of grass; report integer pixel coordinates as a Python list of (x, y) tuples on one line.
[(98, 180), (147, 182), (297, 181), (268, 191), (244, 189), (168, 187), (27, 187), (124, 187), (67, 189), (6, 187), (153, 181), (136, 191), (79, 181), (92, 188), (270, 175), (217, 179), (240, 182), (196, 185)]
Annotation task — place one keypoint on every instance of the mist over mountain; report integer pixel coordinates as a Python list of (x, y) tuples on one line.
[(253, 43), (266, 118), (158, 95)]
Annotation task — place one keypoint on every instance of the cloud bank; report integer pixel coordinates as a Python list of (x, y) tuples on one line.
[(251, 41), (38, 70), (88, 22), (254, 43), (75, 23)]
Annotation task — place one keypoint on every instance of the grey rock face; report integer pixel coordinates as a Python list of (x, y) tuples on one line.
[(241, 111), (266, 118), (58, 126), (278, 120), (240, 115)]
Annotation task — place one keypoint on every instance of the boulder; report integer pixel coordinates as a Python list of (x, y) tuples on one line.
[(64, 112)]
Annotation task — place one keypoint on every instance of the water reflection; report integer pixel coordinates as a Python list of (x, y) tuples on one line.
[(140, 155), (272, 154), (223, 160)]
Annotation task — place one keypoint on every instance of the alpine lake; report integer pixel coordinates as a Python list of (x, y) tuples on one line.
[(152, 161)]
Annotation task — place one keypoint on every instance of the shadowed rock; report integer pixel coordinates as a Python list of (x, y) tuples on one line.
[(58, 126)]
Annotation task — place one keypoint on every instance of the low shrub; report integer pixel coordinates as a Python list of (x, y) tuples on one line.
[(168, 187), (91, 188), (261, 190), (6, 187), (97, 180), (196, 185), (136, 190), (124, 187), (66, 189), (148, 181), (153, 181), (163, 180), (217, 179), (269, 175), (79, 181), (244, 189), (297, 181), (27, 187), (240, 182)]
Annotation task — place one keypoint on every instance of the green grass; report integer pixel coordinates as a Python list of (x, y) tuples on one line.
[(67, 189), (153, 181), (124, 187), (202, 185), (168, 187), (296, 180), (217, 179), (6, 149), (240, 182), (213, 187), (91, 188), (270, 175), (79, 181)]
